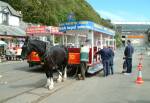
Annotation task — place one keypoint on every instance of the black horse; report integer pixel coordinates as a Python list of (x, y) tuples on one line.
[(54, 57)]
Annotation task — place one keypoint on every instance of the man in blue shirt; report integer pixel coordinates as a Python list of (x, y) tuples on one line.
[(105, 57), (128, 52)]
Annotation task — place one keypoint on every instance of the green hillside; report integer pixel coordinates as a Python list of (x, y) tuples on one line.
[(52, 12)]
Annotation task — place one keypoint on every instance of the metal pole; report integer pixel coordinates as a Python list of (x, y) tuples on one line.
[(53, 39), (101, 40), (63, 40), (92, 40)]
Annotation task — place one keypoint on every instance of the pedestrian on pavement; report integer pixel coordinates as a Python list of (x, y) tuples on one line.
[(124, 66), (105, 57), (128, 52), (111, 61)]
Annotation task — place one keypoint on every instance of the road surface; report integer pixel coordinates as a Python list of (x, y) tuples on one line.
[(19, 84)]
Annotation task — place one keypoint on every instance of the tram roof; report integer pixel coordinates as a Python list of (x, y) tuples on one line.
[(85, 25)]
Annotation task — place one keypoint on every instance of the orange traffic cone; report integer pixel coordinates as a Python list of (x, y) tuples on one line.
[(139, 78)]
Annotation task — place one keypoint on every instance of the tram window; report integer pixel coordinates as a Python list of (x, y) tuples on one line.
[(48, 38), (103, 42), (111, 43)]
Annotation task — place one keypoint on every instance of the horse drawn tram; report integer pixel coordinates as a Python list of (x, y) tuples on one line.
[(83, 39), (44, 33)]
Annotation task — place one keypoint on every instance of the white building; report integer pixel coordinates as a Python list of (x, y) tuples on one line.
[(9, 21), (8, 16), (10, 31)]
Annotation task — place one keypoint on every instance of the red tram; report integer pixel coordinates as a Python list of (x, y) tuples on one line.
[(76, 33)]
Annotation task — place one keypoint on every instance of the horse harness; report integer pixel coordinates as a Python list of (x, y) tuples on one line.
[(45, 56)]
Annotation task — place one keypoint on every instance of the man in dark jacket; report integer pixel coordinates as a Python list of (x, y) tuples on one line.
[(111, 61), (128, 52), (105, 57)]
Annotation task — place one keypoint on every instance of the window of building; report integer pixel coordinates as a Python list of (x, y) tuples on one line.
[(5, 18)]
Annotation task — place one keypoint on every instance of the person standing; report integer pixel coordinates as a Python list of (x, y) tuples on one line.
[(111, 61), (105, 57), (124, 66), (128, 52)]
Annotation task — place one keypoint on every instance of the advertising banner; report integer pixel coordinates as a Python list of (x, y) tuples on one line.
[(85, 25), (42, 30)]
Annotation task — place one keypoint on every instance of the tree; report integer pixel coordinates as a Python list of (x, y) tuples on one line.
[(118, 39), (107, 23), (53, 12)]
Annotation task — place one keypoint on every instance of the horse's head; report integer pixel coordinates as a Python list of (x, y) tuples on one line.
[(33, 45), (26, 49)]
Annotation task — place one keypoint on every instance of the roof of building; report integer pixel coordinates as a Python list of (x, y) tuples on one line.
[(11, 30), (133, 26), (12, 10), (132, 22)]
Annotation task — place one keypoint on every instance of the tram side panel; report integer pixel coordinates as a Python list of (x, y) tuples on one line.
[(33, 59), (78, 57)]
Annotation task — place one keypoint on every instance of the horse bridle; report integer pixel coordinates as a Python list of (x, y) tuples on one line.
[(26, 45)]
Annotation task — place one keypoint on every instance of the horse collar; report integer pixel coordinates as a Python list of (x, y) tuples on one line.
[(48, 46)]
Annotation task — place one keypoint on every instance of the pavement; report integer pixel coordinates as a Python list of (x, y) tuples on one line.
[(117, 88)]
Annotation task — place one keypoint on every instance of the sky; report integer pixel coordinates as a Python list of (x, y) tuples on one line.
[(122, 10)]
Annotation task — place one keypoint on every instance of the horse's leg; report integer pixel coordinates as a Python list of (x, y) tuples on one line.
[(59, 79), (64, 73), (48, 78), (51, 86), (50, 82)]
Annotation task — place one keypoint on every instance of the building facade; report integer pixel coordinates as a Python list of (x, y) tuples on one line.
[(134, 31), (10, 30)]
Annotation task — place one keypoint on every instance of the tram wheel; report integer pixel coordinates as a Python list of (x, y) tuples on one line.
[(31, 64), (71, 70)]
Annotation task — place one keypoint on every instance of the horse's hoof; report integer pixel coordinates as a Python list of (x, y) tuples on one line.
[(50, 87), (64, 79), (59, 80)]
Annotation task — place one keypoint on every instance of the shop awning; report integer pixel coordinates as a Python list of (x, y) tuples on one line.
[(2, 43)]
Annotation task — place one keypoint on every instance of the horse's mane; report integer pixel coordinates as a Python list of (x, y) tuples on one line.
[(46, 49), (38, 45)]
